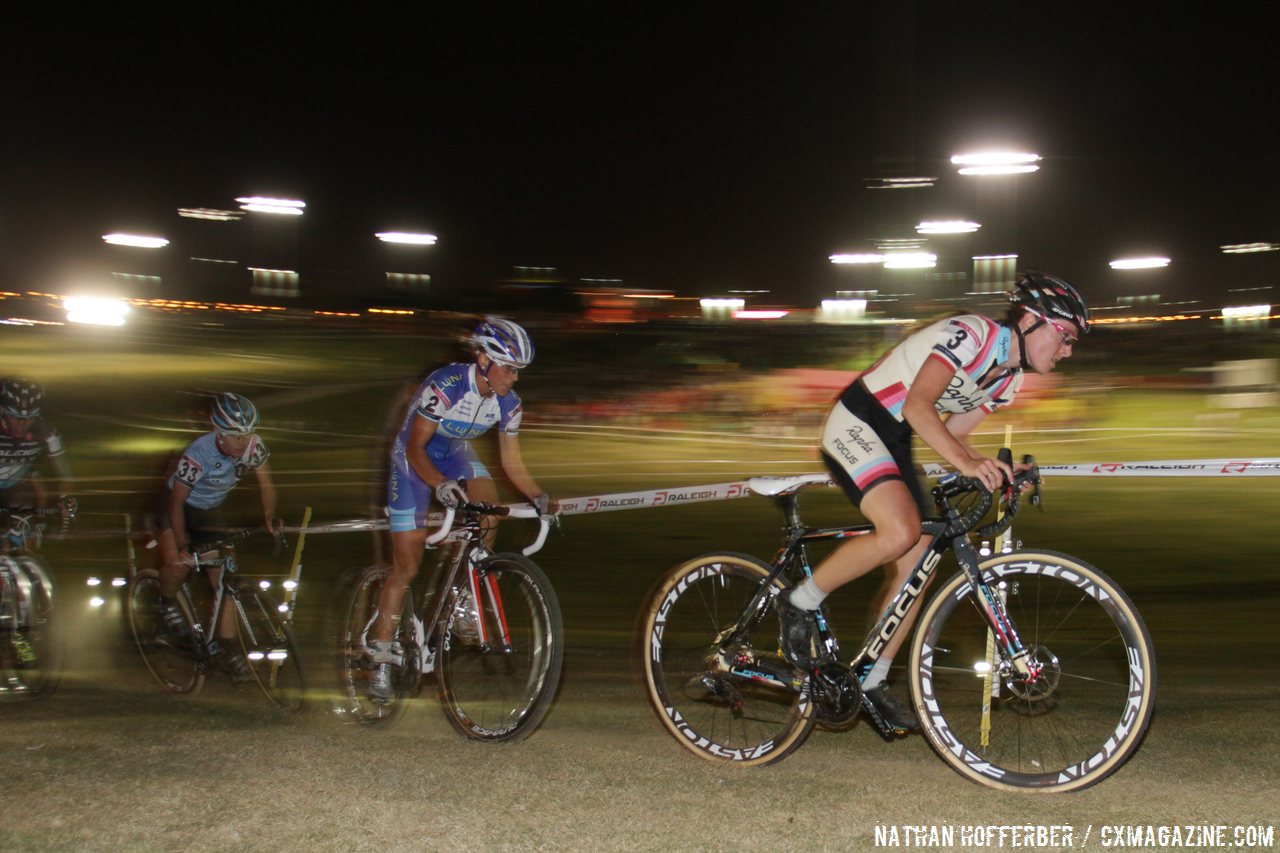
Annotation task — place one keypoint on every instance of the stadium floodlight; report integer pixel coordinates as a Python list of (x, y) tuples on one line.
[(95, 311), (858, 258), (278, 206), (947, 226), (407, 238), (760, 314), (996, 163), (136, 241), (914, 182), (1139, 263), (910, 261), (97, 601)]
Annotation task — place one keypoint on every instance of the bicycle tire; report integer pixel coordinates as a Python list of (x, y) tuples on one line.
[(175, 667), (729, 719), (355, 619), (271, 650), (500, 691), (31, 641), (1066, 730)]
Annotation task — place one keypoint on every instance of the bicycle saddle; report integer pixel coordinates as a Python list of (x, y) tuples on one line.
[(769, 486)]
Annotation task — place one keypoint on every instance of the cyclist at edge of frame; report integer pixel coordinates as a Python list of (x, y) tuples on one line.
[(432, 453), (190, 511), (25, 439), (962, 368)]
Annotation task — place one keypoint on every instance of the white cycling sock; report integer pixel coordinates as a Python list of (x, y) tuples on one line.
[(879, 672), (807, 595)]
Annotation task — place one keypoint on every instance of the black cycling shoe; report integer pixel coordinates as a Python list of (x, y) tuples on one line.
[(235, 666), (894, 713), (795, 634)]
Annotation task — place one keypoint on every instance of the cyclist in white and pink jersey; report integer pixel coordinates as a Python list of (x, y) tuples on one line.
[(961, 369)]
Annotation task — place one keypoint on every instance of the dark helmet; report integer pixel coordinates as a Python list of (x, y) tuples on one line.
[(21, 398), (233, 414), (504, 341), (1050, 296)]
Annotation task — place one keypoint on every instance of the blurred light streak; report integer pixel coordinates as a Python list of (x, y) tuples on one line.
[(760, 314), (137, 241), (947, 226), (843, 309), (1249, 248), (397, 311), (210, 214), (858, 258), (906, 183), (279, 206), (1246, 312), (996, 163), (1139, 263), (95, 311), (910, 261), (406, 238)]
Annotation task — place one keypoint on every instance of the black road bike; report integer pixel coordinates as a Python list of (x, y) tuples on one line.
[(264, 633), (31, 643), (489, 629), (1029, 670)]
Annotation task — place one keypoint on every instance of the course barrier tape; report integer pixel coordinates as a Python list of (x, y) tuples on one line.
[(740, 488)]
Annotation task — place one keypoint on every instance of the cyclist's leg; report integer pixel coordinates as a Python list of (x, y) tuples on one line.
[(408, 499), (890, 507)]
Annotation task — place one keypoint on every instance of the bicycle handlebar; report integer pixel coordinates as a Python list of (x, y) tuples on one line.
[(954, 485), (544, 521)]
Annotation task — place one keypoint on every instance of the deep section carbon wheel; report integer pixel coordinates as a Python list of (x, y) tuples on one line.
[(1079, 715), (721, 704)]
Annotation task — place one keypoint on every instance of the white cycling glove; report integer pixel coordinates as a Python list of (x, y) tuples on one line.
[(451, 494)]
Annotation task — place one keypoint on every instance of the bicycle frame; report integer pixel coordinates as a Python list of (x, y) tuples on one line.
[(945, 535), (206, 638)]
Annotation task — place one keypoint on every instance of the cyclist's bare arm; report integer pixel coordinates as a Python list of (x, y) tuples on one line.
[(423, 431), (513, 466), (921, 413), (267, 492)]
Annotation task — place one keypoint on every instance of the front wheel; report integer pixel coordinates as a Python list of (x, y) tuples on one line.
[(271, 649), (722, 704), (499, 655), (171, 659), (1080, 715), (30, 640), (354, 624)]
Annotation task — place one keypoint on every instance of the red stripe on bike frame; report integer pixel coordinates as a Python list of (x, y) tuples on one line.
[(498, 610), (473, 581)]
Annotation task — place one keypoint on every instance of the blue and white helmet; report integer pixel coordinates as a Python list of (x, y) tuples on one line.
[(505, 342), (21, 398), (232, 414)]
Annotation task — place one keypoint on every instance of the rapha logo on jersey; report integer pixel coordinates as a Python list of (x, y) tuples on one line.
[(855, 435)]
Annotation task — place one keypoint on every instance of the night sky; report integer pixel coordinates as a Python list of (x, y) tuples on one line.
[(693, 147)]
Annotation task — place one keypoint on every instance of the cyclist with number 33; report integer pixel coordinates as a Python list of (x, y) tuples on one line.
[(961, 368), (432, 456)]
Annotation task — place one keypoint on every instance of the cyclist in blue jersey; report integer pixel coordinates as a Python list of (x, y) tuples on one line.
[(432, 457), (961, 369), (190, 513), (26, 440)]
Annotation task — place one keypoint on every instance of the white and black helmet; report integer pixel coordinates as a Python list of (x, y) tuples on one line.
[(232, 414), (21, 398), (505, 342), (1050, 296)]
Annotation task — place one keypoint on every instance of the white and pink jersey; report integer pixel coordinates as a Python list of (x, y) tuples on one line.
[(970, 345)]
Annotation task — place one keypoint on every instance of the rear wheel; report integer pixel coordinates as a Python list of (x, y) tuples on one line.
[(171, 659), (355, 623), (499, 656), (30, 641), (1084, 710), (719, 714), (269, 645)]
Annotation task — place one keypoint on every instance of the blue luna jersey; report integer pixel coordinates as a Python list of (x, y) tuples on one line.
[(19, 456), (451, 398), (210, 473)]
